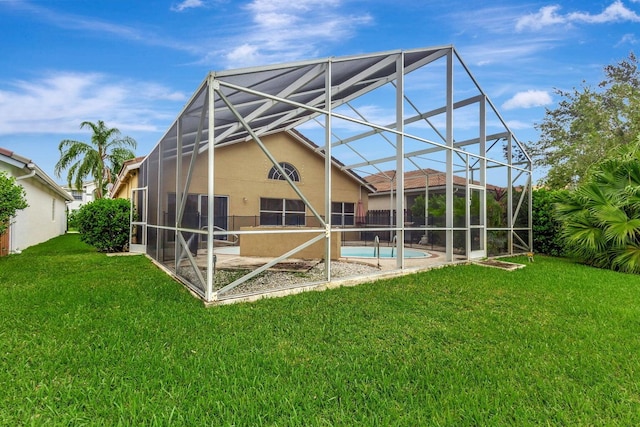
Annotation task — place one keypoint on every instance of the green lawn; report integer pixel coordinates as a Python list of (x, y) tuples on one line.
[(91, 339)]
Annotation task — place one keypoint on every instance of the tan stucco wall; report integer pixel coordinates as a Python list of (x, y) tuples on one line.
[(129, 182), (275, 244), (241, 172)]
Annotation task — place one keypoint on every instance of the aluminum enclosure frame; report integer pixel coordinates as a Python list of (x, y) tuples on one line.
[(331, 99)]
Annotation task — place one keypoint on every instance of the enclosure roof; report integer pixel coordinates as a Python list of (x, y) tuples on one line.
[(280, 97)]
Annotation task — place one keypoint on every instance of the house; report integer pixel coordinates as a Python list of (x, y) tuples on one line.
[(81, 196), (253, 193), (46, 215), (127, 179), (416, 183), (422, 182)]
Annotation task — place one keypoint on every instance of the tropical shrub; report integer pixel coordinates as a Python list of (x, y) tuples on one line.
[(12, 199), (547, 228), (104, 224), (601, 219)]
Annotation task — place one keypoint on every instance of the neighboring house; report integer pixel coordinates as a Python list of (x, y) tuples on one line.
[(415, 185), (127, 179), (45, 217), (81, 196)]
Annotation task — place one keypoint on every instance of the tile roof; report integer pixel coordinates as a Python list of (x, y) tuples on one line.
[(412, 179)]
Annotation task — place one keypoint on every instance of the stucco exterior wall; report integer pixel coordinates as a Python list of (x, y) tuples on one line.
[(45, 217), (275, 245), (241, 174), (383, 202), (130, 182)]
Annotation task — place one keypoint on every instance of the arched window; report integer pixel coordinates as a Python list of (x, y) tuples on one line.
[(288, 168)]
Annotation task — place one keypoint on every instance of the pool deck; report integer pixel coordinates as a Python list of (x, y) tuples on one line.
[(235, 261)]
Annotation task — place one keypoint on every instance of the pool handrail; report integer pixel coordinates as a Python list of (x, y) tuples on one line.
[(394, 242)]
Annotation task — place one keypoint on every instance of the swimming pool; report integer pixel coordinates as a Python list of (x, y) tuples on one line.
[(385, 252), (349, 252)]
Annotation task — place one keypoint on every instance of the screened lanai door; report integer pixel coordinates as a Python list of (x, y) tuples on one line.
[(477, 222), (138, 230)]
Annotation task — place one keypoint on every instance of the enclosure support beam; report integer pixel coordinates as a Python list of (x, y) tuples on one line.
[(400, 161), (327, 174), (530, 218), (449, 171), (211, 188), (483, 173), (510, 197), (178, 249)]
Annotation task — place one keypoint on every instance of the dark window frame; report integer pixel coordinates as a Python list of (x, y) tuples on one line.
[(282, 212)]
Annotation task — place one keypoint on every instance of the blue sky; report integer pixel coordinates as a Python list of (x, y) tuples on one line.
[(134, 64)]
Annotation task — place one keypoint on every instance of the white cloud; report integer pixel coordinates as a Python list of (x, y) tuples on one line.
[(628, 38), (549, 15), (271, 30), (244, 54), (187, 4), (60, 102), (528, 99), (505, 52), (546, 16), (282, 30), (518, 125), (616, 12)]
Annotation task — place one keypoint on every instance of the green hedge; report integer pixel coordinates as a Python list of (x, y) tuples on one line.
[(104, 224), (546, 228)]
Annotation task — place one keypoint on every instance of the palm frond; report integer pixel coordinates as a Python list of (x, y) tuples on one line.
[(593, 196), (628, 260)]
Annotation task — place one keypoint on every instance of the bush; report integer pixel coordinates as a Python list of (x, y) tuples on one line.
[(104, 224), (601, 218), (547, 238), (12, 199)]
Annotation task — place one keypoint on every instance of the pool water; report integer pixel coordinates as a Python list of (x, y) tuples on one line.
[(350, 252), (385, 252)]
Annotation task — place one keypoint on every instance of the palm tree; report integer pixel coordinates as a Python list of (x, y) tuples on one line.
[(101, 159), (601, 219)]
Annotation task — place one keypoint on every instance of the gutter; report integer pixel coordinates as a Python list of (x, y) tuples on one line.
[(32, 168)]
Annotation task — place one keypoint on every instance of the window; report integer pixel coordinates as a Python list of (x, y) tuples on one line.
[(343, 213), (77, 195), (288, 168), (282, 212), (53, 209)]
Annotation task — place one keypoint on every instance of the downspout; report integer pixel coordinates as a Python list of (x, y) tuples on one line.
[(31, 167)]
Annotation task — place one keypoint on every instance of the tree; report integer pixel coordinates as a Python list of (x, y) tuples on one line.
[(589, 125), (100, 160), (601, 218), (12, 199)]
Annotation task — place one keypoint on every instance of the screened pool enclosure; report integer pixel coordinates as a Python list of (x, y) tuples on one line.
[(269, 173)]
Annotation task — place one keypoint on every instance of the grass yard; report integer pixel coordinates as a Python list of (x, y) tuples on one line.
[(97, 340)]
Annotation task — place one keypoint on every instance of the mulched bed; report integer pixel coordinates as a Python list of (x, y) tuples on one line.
[(509, 266)]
